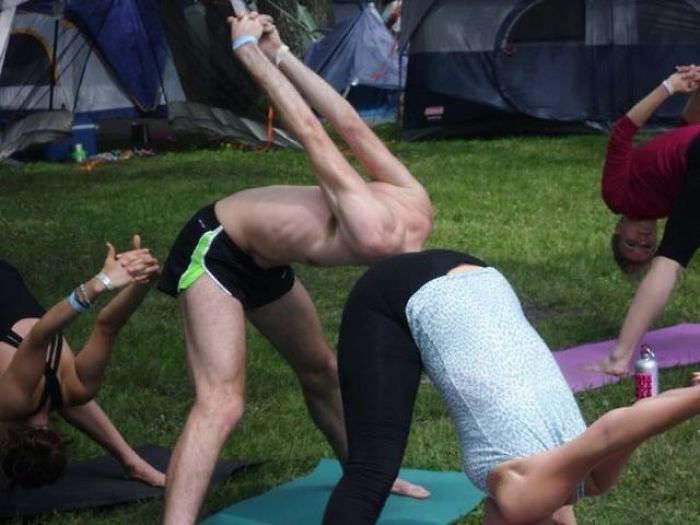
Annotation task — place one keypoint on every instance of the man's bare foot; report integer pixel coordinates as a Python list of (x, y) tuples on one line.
[(144, 472), (401, 487), (611, 366), (695, 379)]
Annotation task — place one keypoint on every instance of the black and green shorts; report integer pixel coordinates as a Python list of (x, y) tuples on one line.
[(203, 247)]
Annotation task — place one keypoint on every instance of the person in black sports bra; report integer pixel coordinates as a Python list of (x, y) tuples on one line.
[(40, 374)]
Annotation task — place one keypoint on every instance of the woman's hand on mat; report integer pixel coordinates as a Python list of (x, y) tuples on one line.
[(610, 365), (402, 487), (136, 265), (695, 379), (140, 470)]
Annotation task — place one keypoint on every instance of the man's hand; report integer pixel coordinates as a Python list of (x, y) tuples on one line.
[(246, 24), (270, 41)]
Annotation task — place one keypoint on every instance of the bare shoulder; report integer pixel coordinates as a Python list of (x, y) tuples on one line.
[(414, 197)]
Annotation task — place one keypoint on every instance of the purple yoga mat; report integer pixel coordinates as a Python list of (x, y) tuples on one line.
[(674, 346)]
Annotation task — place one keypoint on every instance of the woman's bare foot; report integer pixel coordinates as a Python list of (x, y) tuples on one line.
[(142, 471), (610, 365), (402, 487)]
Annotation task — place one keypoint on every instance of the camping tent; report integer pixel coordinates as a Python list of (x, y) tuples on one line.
[(346, 9), (359, 58), (122, 59), (512, 65)]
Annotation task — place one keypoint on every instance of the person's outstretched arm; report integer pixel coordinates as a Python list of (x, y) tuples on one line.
[(649, 301), (94, 422), (683, 81), (369, 227), (26, 369), (380, 164), (618, 156), (92, 360)]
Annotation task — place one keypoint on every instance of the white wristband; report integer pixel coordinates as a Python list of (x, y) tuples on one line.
[(281, 53), (667, 86), (105, 280)]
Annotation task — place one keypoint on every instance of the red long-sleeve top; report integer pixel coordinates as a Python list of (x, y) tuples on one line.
[(643, 182)]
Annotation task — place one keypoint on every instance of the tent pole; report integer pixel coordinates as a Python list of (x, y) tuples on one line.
[(53, 63)]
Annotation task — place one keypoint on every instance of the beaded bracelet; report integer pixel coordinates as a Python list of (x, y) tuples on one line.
[(75, 304), (82, 296)]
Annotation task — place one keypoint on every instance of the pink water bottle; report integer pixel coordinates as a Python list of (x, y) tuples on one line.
[(646, 374)]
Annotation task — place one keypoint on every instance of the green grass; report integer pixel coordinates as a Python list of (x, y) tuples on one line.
[(529, 206)]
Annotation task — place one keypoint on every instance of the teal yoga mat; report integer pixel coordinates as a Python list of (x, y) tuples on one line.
[(302, 501)]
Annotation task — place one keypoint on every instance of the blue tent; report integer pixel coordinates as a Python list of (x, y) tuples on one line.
[(132, 41), (345, 9), (359, 58), (493, 66)]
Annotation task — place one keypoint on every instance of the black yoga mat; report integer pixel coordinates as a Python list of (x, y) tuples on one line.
[(96, 483)]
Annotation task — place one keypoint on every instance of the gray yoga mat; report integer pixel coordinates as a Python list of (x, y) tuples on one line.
[(97, 483)]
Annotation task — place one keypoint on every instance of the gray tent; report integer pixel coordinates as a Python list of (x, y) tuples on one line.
[(68, 61), (487, 66)]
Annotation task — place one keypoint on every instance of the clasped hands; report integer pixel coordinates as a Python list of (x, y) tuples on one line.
[(133, 266)]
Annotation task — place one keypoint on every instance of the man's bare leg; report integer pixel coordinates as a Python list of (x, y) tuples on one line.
[(292, 326), (214, 326)]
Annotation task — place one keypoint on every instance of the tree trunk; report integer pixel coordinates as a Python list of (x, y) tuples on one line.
[(322, 11)]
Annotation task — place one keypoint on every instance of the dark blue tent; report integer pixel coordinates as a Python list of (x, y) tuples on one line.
[(345, 9), (359, 58), (132, 41), (489, 66)]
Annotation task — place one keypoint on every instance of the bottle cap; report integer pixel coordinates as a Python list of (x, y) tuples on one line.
[(646, 352)]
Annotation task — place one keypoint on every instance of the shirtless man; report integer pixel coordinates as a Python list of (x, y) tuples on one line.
[(231, 261)]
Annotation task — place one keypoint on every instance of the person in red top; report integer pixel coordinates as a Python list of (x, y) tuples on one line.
[(657, 178)]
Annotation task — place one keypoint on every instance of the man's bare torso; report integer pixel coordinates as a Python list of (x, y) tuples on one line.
[(284, 224)]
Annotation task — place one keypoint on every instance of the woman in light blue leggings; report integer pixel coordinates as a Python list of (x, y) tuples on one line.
[(518, 424)]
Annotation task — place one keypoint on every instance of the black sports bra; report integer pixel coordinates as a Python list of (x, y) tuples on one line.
[(52, 388), (17, 302)]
